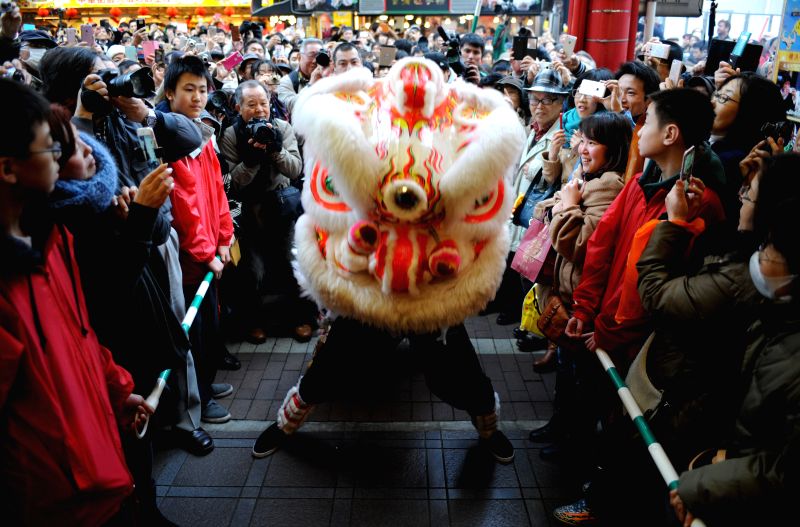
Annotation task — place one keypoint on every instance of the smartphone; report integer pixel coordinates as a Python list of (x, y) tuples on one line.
[(71, 36), (738, 49), (659, 51), (524, 46), (149, 48), (569, 44), (234, 59), (386, 57), (687, 165), (140, 23), (87, 34), (130, 53), (158, 56), (147, 142), (592, 88), (235, 36), (675, 71), (277, 51), (561, 120), (212, 31)]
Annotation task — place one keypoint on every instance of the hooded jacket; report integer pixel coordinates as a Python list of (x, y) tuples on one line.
[(597, 297), (61, 461)]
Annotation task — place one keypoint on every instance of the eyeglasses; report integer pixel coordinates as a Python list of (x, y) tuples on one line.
[(547, 101), (54, 150), (723, 98), (744, 195)]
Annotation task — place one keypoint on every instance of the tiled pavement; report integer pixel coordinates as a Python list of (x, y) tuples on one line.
[(405, 458)]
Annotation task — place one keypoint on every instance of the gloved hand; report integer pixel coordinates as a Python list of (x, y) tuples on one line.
[(275, 146)]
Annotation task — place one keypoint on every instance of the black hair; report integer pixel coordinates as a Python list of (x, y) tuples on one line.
[(403, 44), (614, 131), (256, 65), (472, 39), (401, 54), (254, 41), (490, 79), (688, 109), (726, 23), (760, 102), (341, 48), (641, 71), (61, 131), (125, 65), (776, 209), (63, 70), (599, 74), (187, 64), (675, 51), (501, 66), (28, 110)]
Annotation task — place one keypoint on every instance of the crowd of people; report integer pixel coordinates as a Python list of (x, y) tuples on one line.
[(685, 274)]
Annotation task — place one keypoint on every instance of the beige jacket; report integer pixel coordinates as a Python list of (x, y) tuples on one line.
[(571, 228)]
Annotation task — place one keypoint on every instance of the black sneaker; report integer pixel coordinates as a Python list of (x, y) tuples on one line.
[(269, 441), (500, 447)]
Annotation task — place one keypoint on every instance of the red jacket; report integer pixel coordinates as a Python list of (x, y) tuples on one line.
[(61, 461), (200, 210), (597, 296)]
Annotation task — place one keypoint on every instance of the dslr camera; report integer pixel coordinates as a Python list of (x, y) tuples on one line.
[(323, 59), (504, 8), (261, 132), (137, 84), (453, 53)]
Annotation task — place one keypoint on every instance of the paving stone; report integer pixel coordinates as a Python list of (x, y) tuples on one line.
[(379, 466), (199, 512), (421, 411), (266, 389), (475, 468), (289, 470), (239, 408), (389, 513), (306, 512), (488, 513), (222, 467)]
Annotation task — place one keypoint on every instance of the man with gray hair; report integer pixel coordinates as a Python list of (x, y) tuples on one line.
[(308, 72), (263, 155)]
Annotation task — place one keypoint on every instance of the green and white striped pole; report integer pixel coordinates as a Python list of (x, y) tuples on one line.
[(191, 313), (654, 447)]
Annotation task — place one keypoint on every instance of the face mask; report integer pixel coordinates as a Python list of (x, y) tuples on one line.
[(230, 84), (35, 57), (767, 285)]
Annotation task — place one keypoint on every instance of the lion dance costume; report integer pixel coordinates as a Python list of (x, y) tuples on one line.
[(404, 231)]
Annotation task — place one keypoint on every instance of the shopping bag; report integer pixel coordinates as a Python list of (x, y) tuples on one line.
[(532, 250), (530, 313)]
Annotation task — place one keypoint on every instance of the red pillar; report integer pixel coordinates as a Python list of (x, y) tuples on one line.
[(606, 29)]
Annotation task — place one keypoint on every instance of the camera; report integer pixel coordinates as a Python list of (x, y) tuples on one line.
[(137, 84), (505, 8), (15, 75), (453, 53), (261, 132), (323, 59), (6, 7), (777, 130)]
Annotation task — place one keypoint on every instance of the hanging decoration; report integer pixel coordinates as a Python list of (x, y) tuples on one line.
[(115, 13), (71, 13), (143, 11), (43, 12), (200, 11), (229, 11), (172, 12)]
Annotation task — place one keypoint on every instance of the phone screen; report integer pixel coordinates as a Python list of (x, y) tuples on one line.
[(387, 55), (675, 71), (71, 36), (140, 23), (235, 36), (232, 60), (738, 49), (688, 164), (147, 142), (87, 34)]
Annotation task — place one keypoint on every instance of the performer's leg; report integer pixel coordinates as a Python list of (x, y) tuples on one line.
[(455, 375)]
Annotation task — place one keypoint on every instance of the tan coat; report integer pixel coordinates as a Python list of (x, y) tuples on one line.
[(571, 228)]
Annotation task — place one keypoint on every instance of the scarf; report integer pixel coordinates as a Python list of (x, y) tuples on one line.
[(96, 192)]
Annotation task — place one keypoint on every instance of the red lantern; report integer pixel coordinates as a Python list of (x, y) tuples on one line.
[(143, 11), (229, 11), (172, 12), (43, 12), (115, 12), (71, 13), (200, 11)]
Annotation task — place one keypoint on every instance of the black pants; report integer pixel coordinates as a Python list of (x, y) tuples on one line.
[(204, 335), (451, 369)]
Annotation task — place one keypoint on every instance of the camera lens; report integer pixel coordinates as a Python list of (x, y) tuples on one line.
[(323, 59)]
